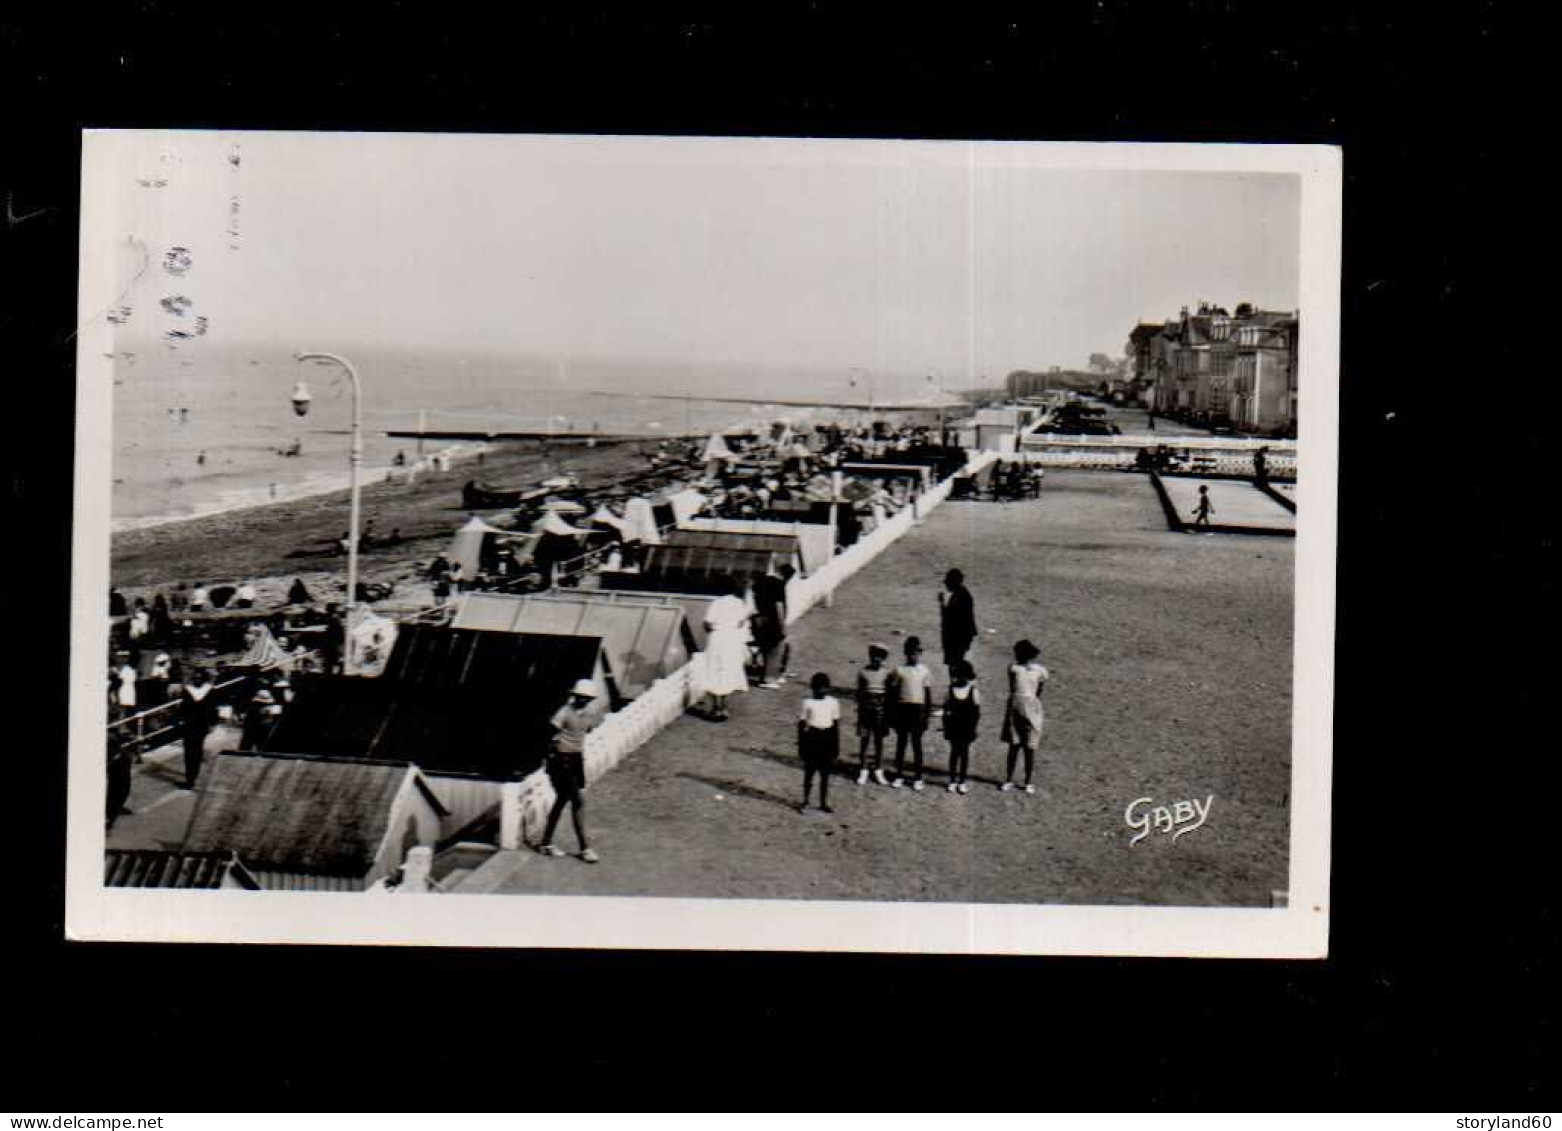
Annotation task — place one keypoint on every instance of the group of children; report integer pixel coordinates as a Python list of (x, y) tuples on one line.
[(900, 699)]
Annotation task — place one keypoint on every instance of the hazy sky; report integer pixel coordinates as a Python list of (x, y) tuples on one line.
[(899, 258)]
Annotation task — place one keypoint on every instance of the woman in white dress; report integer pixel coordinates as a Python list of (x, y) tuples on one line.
[(1022, 718), (726, 648)]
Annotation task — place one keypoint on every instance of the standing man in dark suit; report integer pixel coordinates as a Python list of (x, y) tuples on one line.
[(957, 617), (197, 716)]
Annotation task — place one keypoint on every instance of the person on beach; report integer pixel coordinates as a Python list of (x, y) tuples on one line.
[(1022, 716), (197, 716), (818, 739), (872, 714), (162, 625), (770, 624), (298, 593), (120, 767), (140, 621), (200, 460), (1261, 465), (957, 618), (199, 598), (259, 717), (116, 604), (962, 713), (566, 766), (726, 647), (910, 694), (456, 577), (125, 693), (1203, 510)]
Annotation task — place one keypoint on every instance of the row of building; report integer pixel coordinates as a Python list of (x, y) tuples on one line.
[(1220, 368)]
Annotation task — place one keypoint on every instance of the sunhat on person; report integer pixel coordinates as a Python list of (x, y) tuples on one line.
[(584, 688)]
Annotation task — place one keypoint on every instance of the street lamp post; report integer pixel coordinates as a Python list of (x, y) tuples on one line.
[(301, 400)]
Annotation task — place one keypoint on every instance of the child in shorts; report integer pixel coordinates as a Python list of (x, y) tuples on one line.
[(911, 705), (872, 714), (818, 739)]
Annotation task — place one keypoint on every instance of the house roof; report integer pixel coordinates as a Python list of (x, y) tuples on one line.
[(125, 868), (450, 700), (297, 813)]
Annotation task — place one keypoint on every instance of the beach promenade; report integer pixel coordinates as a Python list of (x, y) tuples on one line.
[(1171, 680)]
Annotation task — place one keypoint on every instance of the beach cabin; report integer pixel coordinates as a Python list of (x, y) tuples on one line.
[(694, 569), (304, 823), (454, 701), (642, 641), (785, 547), (693, 605), (815, 541)]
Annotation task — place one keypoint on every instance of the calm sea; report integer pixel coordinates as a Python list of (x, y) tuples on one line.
[(238, 413)]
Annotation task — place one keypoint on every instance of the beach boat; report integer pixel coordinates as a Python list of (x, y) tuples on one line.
[(476, 496)]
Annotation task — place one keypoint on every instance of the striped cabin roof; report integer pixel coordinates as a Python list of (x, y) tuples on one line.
[(147, 868)]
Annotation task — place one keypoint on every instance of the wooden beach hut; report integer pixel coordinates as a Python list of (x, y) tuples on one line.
[(695, 569), (815, 541), (312, 824), (451, 700), (642, 641), (786, 547)]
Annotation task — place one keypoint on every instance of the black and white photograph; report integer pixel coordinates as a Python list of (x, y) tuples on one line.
[(704, 543)]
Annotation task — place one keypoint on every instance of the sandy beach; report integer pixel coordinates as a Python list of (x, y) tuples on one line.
[(272, 544)]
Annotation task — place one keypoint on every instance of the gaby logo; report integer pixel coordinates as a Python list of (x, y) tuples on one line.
[(1176, 818)]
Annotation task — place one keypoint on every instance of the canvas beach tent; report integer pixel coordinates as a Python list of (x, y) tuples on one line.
[(716, 454), (640, 521), (686, 504), (466, 546)]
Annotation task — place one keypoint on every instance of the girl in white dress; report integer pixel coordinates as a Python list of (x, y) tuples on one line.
[(726, 648), (1022, 717)]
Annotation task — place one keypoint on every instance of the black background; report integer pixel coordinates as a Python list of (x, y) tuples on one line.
[(1439, 991)]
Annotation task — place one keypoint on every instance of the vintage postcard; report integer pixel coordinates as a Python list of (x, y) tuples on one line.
[(705, 543)]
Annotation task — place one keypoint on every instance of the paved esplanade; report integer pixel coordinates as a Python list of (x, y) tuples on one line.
[(1234, 503), (1171, 666)]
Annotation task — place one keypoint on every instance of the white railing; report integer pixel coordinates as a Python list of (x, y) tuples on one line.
[(524, 805), (1151, 439), (1282, 466)]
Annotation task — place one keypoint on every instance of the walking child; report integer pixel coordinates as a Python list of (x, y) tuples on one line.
[(872, 714), (818, 739), (962, 713), (566, 766), (1022, 717), (911, 705), (1202, 512)]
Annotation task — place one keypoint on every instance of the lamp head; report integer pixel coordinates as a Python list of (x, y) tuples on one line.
[(301, 399)]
